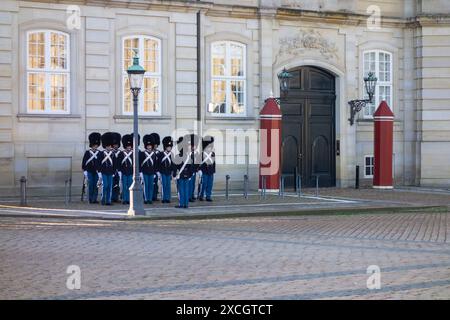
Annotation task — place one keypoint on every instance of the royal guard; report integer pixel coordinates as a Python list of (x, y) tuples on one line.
[(156, 142), (107, 168), (90, 165), (116, 179), (196, 160), (207, 168), (167, 169), (148, 164), (125, 167), (185, 169)]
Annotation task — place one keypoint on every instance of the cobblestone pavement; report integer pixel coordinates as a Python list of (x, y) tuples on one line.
[(306, 257)]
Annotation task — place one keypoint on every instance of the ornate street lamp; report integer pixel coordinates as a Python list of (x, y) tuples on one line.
[(370, 83), (284, 78), (136, 77)]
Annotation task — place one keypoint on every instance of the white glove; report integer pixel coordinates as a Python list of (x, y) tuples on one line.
[(85, 174), (177, 176), (141, 175), (159, 175), (99, 175), (120, 175), (200, 173)]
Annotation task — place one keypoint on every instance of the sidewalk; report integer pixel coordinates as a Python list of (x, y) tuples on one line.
[(329, 201)]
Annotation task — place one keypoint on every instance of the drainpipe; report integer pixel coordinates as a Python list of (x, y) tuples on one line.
[(199, 98)]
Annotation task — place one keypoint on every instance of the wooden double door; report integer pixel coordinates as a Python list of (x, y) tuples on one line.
[(308, 128)]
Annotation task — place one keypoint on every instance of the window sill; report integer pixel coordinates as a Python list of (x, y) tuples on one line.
[(230, 119), (46, 116), (127, 118)]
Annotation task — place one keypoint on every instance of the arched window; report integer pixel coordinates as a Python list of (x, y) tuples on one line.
[(228, 78), (149, 52), (380, 63), (48, 72)]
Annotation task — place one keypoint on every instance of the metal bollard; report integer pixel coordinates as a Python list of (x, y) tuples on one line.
[(357, 178), (317, 185), (66, 193), (282, 183), (227, 177), (23, 191), (299, 185), (70, 190), (263, 188), (246, 186)]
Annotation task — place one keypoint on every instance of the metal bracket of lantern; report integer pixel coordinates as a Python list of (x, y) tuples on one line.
[(370, 83), (136, 77), (284, 78)]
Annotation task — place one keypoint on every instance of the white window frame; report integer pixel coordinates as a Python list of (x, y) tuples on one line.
[(47, 71), (366, 166), (228, 78), (377, 99), (157, 75)]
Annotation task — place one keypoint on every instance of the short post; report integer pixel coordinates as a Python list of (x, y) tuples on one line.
[(263, 188), (227, 179), (298, 185), (70, 189), (317, 185), (66, 193), (246, 186), (357, 178), (282, 180), (23, 191)]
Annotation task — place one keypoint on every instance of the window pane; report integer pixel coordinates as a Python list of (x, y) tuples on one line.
[(219, 96), (218, 59), (151, 95), (237, 97), (126, 95), (58, 55), (151, 59), (130, 45), (36, 91), (58, 89), (237, 58), (36, 50), (385, 94)]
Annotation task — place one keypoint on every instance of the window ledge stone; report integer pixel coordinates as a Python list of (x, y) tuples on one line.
[(46, 116), (130, 117)]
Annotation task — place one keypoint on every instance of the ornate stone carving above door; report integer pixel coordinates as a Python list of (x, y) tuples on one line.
[(307, 40)]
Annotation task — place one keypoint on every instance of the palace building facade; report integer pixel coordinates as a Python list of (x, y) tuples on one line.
[(210, 65)]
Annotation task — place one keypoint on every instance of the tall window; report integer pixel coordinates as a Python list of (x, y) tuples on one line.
[(48, 72), (149, 52), (380, 63), (228, 78)]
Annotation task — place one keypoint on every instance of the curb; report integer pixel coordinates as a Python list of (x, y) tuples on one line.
[(317, 212)]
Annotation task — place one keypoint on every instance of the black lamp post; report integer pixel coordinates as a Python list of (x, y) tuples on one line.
[(370, 83), (136, 77)]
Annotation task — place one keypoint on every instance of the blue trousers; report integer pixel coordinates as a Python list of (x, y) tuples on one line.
[(183, 192), (192, 186), (127, 181), (149, 183), (166, 186), (207, 185), (92, 186), (107, 188)]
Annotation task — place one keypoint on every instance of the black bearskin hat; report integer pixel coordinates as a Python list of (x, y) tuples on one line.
[(116, 138), (207, 140), (107, 139), (148, 139), (127, 140), (94, 139), (156, 138), (167, 142)]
